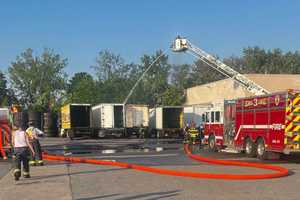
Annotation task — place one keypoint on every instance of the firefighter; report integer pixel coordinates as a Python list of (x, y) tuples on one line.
[(142, 131), (186, 133), (21, 146), (193, 134), (200, 128), (34, 133)]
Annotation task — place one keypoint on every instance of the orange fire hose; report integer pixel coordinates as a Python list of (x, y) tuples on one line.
[(280, 171)]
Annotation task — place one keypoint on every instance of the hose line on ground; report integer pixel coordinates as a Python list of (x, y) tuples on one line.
[(280, 171)]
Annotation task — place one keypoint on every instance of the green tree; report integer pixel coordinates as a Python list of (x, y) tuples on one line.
[(202, 74), (38, 81), (3, 90), (237, 63), (108, 66), (181, 76), (114, 77), (155, 82), (173, 96), (272, 61), (81, 89), (7, 96)]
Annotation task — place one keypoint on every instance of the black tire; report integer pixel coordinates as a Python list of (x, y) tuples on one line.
[(212, 146), (64, 134), (94, 134), (158, 134), (262, 154), (250, 148), (101, 134), (70, 134)]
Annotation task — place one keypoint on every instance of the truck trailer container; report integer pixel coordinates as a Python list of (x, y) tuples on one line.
[(136, 117), (167, 121), (75, 120), (107, 119)]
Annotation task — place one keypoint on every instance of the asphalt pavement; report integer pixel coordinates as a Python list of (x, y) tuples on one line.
[(88, 182), (5, 167)]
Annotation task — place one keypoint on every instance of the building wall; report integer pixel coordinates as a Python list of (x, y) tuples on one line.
[(228, 89)]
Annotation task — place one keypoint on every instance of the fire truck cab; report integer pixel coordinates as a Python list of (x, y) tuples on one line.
[(213, 125)]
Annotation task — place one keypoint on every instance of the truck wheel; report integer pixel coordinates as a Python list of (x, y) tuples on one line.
[(94, 134), (101, 134), (62, 133), (261, 149), (212, 144), (70, 134), (158, 134), (250, 148)]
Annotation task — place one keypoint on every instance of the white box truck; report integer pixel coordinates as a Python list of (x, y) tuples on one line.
[(137, 118), (107, 119), (166, 121)]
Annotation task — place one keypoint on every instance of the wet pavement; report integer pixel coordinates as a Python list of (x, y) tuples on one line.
[(116, 146), (5, 167), (84, 181)]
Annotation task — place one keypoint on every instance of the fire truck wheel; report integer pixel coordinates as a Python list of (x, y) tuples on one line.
[(212, 143), (250, 148), (261, 149)]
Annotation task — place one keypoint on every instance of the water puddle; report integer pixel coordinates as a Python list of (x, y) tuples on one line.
[(98, 149)]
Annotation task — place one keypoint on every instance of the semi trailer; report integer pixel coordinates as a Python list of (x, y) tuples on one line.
[(107, 120), (75, 120), (136, 118), (166, 121)]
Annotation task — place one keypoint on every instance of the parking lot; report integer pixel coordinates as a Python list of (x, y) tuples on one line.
[(61, 180)]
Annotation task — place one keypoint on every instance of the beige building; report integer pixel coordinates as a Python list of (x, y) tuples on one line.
[(228, 89)]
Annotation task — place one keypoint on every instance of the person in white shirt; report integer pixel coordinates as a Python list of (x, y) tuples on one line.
[(21, 145)]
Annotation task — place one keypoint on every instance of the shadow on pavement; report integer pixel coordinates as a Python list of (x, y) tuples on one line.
[(98, 197), (150, 196), (284, 159), (28, 183), (153, 195), (76, 173)]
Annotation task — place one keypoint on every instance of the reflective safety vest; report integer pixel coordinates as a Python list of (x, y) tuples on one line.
[(193, 132), (31, 133)]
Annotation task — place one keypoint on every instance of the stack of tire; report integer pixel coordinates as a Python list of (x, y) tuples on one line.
[(20, 119), (50, 124), (35, 118)]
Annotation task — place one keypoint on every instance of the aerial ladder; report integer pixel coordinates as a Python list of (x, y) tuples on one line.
[(183, 45)]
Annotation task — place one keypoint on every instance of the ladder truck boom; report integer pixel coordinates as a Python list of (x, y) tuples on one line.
[(183, 45)]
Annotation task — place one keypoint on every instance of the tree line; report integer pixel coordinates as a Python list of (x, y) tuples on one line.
[(40, 83)]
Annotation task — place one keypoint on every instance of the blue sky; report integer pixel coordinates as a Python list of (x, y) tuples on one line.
[(80, 29)]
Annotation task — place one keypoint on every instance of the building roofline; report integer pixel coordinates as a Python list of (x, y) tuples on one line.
[(250, 76)]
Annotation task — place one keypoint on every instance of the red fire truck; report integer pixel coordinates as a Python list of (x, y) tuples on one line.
[(257, 125), (264, 123)]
